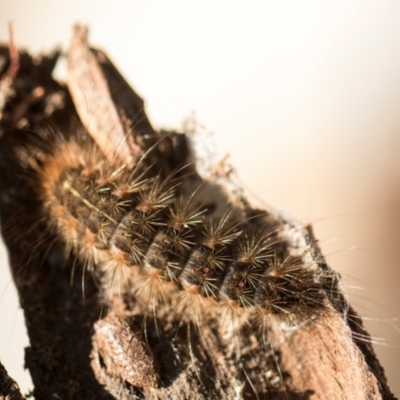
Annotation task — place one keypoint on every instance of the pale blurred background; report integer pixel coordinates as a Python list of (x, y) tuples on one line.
[(304, 96)]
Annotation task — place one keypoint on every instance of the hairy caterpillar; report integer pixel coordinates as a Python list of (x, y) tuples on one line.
[(145, 230), (161, 240)]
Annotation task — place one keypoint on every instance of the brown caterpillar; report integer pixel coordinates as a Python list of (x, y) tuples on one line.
[(142, 228)]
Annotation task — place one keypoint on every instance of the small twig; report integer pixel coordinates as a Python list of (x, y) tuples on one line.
[(14, 54), (7, 79)]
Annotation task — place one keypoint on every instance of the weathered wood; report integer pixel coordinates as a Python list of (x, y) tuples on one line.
[(321, 359)]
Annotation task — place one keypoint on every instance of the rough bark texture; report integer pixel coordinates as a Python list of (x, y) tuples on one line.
[(321, 360)]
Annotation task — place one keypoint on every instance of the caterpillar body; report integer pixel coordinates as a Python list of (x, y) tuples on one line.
[(143, 229)]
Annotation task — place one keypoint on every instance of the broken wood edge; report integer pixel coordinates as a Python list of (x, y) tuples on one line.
[(91, 95)]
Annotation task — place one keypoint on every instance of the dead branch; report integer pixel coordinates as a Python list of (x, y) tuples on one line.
[(323, 360)]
